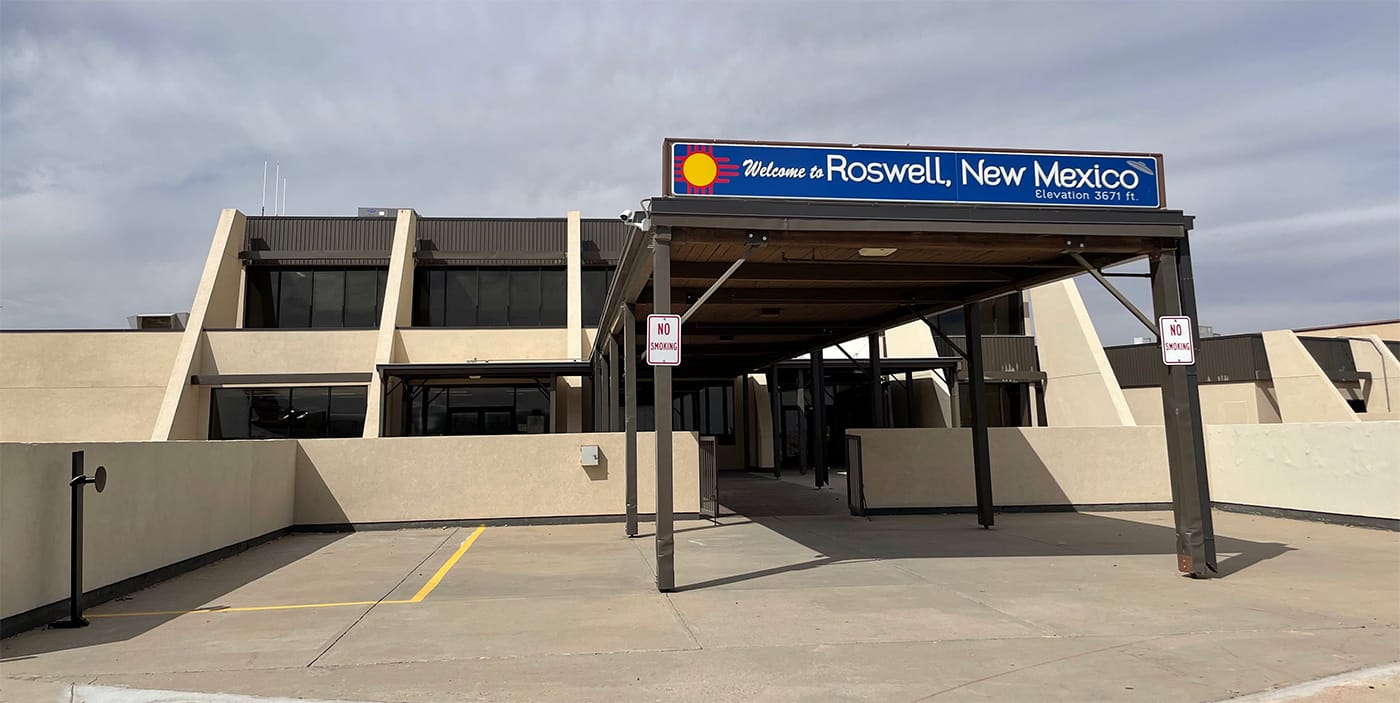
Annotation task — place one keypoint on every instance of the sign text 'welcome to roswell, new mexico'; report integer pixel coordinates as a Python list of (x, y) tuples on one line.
[(914, 175)]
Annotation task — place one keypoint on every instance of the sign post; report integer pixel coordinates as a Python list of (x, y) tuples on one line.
[(664, 340), (1174, 333)]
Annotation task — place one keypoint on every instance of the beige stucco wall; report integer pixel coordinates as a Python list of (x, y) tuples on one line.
[(397, 312), (63, 386), (164, 502), (1080, 387), (1340, 468), (1247, 403), (1303, 391), (422, 345), (922, 468), (397, 479), (287, 351), (1346, 468), (1388, 330)]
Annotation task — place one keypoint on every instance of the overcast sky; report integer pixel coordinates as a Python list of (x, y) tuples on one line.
[(124, 128)]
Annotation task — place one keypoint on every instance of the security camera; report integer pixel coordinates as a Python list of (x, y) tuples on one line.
[(626, 216)]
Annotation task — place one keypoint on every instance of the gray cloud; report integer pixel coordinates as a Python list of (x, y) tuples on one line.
[(124, 128)]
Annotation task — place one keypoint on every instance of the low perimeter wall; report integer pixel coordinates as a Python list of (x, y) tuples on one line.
[(451, 478), (166, 502), (1345, 469)]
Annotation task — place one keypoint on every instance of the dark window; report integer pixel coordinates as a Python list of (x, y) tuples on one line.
[(1002, 315), (280, 413), (524, 298), (554, 298), (362, 298), (461, 298), (477, 410), (322, 298), (1008, 404), (294, 301), (490, 297), (707, 409), (494, 305), (328, 299), (594, 293)]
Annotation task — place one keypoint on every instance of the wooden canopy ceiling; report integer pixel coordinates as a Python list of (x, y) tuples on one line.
[(810, 285)]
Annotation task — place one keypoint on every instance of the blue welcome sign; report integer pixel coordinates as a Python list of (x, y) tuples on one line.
[(913, 175)]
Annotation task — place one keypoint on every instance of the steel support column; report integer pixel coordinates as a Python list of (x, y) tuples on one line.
[(748, 425), (613, 361), (775, 406), (661, 386), (629, 356), (819, 418), (909, 399), (877, 389), (977, 402), (1186, 281), (1190, 496)]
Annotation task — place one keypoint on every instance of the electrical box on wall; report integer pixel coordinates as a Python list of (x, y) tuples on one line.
[(588, 456)]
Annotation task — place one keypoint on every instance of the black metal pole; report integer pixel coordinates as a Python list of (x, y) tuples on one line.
[(629, 364), (775, 406), (75, 551), (877, 394), (977, 401), (909, 399), (1187, 282), (819, 418), (661, 400)]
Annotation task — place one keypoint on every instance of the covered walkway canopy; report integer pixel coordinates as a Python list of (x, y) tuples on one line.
[(763, 279)]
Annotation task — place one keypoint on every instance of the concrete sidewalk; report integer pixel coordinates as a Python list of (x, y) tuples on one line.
[(1045, 607)]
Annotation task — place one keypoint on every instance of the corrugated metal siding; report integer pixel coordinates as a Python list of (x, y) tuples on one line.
[(604, 240), (1001, 354), (538, 241), (294, 234), (1229, 359), (1334, 356)]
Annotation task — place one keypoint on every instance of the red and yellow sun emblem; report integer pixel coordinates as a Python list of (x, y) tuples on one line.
[(698, 170)]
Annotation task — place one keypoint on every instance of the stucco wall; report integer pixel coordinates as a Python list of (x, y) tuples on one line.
[(62, 386), (396, 479), (164, 502), (1080, 387), (421, 345), (923, 468), (287, 351), (1340, 468), (1248, 403), (1346, 468)]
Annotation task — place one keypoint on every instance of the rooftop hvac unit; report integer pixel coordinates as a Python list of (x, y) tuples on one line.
[(159, 321), (379, 212)]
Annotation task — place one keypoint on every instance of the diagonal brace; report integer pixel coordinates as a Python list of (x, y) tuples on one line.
[(1098, 276), (755, 241)]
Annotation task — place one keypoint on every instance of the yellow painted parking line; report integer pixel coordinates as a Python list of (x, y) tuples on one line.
[(417, 597), (451, 562)]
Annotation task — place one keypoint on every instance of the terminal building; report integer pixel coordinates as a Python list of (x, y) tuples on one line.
[(392, 368)]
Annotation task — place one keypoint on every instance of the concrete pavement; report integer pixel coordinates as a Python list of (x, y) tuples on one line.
[(1045, 607)]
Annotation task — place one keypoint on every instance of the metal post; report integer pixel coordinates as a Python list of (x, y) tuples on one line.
[(75, 550), (629, 342), (804, 422), (1186, 281), (613, 362), (950, 379), (665, 525), (775, 406), (877, 389), (977, 400), (819, 418), (909, 399), (748, 428), (1190, 493)]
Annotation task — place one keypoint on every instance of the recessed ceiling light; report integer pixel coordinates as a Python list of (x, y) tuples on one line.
[(877, 251)]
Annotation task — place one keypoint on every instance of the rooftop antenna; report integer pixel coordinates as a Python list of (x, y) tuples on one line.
[(284, 195), (262, 210), (276, 178)]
